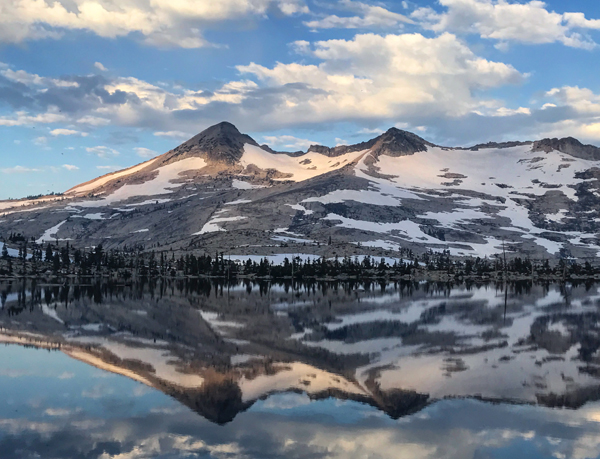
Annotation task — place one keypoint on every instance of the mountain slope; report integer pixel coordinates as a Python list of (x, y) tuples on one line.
[(222, 191)]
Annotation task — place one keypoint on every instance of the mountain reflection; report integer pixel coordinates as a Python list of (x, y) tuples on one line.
[(219, 348)]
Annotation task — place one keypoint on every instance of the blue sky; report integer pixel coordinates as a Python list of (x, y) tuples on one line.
[(91, 86)]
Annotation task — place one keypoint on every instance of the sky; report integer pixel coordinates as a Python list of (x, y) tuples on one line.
[(92, 86)]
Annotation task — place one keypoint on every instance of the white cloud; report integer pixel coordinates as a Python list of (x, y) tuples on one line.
[(70, 167), (370, 77), (22, 118), (436, 83), (58, 412), (288, 141), (145, 152), (503, 111), (582, 106), (582, 100), (93, 121), (172, 134), (19, 170), (371, 131), (57, 132), (177, 23), (382, 77), (101, 67), (21, 76), (40, 141), (507, 21), (102, 151), (369, 17)]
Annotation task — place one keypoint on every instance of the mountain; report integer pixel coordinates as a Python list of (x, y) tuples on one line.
[(221, 143), (222, 191)]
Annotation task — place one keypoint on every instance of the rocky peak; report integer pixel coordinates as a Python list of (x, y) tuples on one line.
[(570, 146), (394, 142), (222, 143), (496, 145)]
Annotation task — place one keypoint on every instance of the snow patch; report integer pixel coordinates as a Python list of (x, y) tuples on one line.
[(161, 184), (239, 201), (50, 234), (300, 168), (212, 227), (241, 185)]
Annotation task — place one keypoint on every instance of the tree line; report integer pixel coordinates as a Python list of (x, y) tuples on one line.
[(55, 259)]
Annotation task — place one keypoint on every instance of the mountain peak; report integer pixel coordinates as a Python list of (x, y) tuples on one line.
[(396, 142), (224, 128), (570, 146), (393, 142), (222, 143)]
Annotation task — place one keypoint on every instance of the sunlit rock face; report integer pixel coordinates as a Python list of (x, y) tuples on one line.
[(221, 190), (219, 348)]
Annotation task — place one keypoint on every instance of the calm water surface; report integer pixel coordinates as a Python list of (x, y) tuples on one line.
[(194, 369)]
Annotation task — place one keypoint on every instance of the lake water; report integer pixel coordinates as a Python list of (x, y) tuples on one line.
[(194, 369)]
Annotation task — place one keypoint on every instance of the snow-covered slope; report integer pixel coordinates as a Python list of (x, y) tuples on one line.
[(515, 190), (222, 190), (166, 179), (297, 168), (100, 181)]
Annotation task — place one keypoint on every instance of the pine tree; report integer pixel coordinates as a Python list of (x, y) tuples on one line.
[(49, 254)]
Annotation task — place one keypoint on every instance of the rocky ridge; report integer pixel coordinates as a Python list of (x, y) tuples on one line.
[(395, 193)]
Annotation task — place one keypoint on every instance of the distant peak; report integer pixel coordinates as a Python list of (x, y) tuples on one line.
[(396, 142), (393, 142), (570, 146)]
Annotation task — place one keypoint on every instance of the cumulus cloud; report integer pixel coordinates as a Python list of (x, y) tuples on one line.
[(507, 22), (369, 16), (19, 170), (93, 121), (69, 167), (172, 134), (59, 412), (369, 79), (381, 77), (374, 131), (288, 142), (571, 111), (99, 66), (57, 132), (145, 152), (176, 23), (23, 118), (102, 151), (437, 83)]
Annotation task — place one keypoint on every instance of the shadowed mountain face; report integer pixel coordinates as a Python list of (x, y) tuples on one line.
[(394, 142), (570, 146), (219, 143), (389, 196), (219, 348)]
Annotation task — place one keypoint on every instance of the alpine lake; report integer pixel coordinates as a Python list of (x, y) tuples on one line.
[(198, 369)]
